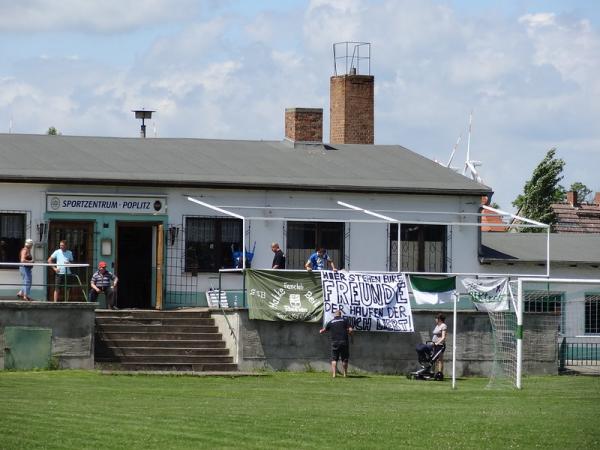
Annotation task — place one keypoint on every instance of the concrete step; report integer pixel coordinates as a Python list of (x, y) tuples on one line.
[(216, 367), (148, 314), (125, 327), (157, 351), (156, 336), (158, 343), (108, 320), (167, 359)]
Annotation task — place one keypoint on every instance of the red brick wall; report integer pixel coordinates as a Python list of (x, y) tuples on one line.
[(352, 119), (304, 124)]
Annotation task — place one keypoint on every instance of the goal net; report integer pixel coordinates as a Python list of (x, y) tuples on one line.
[(556, 324)]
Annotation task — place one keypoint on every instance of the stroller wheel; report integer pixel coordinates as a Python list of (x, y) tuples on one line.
[(439, 376)]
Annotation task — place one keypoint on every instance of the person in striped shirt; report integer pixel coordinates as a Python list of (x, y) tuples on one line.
[(104, 281)]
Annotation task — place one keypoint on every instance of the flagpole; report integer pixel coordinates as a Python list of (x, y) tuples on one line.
[(454, 315)]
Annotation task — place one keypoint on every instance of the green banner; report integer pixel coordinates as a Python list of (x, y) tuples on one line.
[(281, 295)]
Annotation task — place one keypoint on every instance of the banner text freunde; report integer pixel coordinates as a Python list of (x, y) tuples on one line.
[(371, 301)]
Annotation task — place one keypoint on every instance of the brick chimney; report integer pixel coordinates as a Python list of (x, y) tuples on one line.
[(304, 124), (572, 198), (351, 109), (597, 198)]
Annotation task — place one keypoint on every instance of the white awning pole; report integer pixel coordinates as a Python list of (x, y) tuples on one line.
[(454, 320), (519, 333)]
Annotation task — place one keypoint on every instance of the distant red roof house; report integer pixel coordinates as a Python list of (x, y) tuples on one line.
[(575, 217), (491, 217)]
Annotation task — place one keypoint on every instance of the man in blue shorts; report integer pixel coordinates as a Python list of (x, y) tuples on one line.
[(340, 329), (319, 260)]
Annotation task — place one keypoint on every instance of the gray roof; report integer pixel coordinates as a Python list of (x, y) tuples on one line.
[(531, 247), (225, 163)]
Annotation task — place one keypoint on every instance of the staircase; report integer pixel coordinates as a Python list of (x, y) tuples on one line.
[(160, 340)]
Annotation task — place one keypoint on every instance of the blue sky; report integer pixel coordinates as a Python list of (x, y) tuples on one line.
[(227, 69)]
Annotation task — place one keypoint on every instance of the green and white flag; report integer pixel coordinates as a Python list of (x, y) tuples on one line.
[(488, 294), (430, 291), (282, 295)]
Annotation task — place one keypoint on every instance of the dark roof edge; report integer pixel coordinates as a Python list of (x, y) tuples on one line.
[(232, 185)]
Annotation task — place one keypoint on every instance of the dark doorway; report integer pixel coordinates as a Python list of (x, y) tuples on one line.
[(134, 265)]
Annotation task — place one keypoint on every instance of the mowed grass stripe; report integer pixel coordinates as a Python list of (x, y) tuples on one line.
[(70, 409)]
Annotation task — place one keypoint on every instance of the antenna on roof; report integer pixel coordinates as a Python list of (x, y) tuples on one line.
[(143, 114)]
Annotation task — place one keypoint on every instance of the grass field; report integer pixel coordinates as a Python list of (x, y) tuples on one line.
[(73, 409)]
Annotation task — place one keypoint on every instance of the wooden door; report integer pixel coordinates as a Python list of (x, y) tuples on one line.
[(80, 240)]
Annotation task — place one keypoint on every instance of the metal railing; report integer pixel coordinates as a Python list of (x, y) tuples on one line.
[(578, 354), (74, 285)]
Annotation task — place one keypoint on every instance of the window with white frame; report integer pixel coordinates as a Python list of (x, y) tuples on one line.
[(303, 238), (210, 243), (12, 235), (423, 247)]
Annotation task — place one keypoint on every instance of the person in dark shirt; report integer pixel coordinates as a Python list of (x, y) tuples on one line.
[(279, 258), (340, 329)]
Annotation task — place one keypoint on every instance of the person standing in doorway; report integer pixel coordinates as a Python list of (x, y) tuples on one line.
[(319, 260), (104, 281), (340, 331), (279, 258), (25, 257), (61, 257)]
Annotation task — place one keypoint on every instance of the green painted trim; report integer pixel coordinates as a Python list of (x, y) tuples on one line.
[(519, 332)]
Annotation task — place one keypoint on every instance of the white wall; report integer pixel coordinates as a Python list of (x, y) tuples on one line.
[(367, 244)]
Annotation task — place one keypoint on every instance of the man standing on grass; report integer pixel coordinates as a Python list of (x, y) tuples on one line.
[(340, 347)]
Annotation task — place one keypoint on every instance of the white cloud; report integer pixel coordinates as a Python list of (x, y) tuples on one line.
[(99, 16), (528, 78)]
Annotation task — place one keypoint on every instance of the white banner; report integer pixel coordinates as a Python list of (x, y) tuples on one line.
[(370, 301), (487, 294)]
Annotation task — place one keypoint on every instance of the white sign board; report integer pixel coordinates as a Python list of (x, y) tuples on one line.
[(216, 299), (105, 204), (370, 301)]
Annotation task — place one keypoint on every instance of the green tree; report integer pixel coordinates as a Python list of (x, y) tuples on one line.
[(583, 193), (52, 131), (541, 191)]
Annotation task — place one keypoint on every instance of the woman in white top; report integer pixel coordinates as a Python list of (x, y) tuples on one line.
[(438, 338)]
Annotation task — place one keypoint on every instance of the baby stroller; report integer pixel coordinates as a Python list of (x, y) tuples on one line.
[(428, 359)]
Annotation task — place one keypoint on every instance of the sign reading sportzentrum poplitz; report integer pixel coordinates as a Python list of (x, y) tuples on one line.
[(370, 301), (106, 204), (289, 296)]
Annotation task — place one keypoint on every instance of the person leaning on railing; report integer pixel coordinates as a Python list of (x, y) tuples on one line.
[(60, 257), (25, 257), (104, 281)]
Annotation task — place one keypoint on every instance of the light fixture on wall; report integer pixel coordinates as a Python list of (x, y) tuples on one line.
[(42, 229), (173, 234), (106, 247)]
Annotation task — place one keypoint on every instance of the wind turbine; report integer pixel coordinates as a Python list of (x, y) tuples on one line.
[(470, 164)]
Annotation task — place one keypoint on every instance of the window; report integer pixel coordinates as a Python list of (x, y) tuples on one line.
[(423, 248), (304, 237), (537, 302), (592, 313), (210, 243), (543, 302), (12, 236)]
